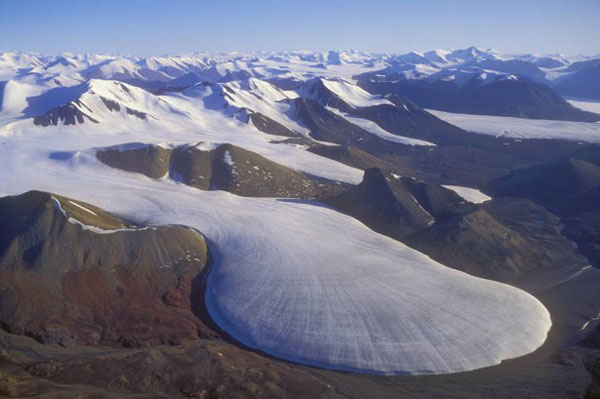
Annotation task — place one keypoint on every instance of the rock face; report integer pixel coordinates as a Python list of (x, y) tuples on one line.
[(315, 90), (327, 126), (394, 205), (504, 239), (269, 126), (592, 364), (67, 114), (405, 118), (71, 273), (218, 167), (568, 187), (351, 156), (521, 98), (248, 174), (149, 160), (584, 83)]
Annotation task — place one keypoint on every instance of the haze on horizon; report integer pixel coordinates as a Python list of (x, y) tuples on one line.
[(152, 27)]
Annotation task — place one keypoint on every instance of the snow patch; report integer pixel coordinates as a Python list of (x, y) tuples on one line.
[(227, 158), (469, 194), (82, 207), (352, 94)]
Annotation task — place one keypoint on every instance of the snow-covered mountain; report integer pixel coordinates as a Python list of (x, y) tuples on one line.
[(261, 90), (301, 64)]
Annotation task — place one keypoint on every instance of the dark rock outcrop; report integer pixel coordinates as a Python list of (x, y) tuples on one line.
[(68, 114), (584, 83), (327, 126), (269, 126), (220, 167), (405, 118), (592, 365), (73, 274), (507, 240), (521, 98), (568, 187), (147, 159), (244, 173), (394, 205)]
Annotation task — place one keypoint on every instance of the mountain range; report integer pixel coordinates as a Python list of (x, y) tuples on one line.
[(299, 224)]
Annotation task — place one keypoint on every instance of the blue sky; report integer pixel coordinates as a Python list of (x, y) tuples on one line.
[(144, 27)]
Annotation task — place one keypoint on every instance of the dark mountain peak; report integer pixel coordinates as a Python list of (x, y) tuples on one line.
[(405, 118), (377, 184), (61, 61), (584, 82), (401, 101), (268, 125), (566, 187), (315, 89), (29, 219), (328, 126), (478, 92), (385, 203), (374, 176)]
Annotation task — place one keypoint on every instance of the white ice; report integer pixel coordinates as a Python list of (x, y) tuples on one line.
[(469, 194), (521, 128), (586, 105)]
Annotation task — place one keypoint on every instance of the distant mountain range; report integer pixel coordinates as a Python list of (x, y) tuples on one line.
[(470, 80)]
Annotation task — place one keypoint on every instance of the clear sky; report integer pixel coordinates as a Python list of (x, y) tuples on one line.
[(145, 27)]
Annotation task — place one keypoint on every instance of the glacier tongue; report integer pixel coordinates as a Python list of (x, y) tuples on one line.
[(358, 301)]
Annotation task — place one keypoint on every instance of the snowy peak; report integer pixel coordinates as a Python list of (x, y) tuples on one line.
[(470, 54), (251, 93), (470, 76), (413, 58), (437, 56), (338, 93), (96, 101), (395, 205), (123, 69)]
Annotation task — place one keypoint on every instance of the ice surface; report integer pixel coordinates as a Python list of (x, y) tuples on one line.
[(469, 194), (503, 126), (586, 105)]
